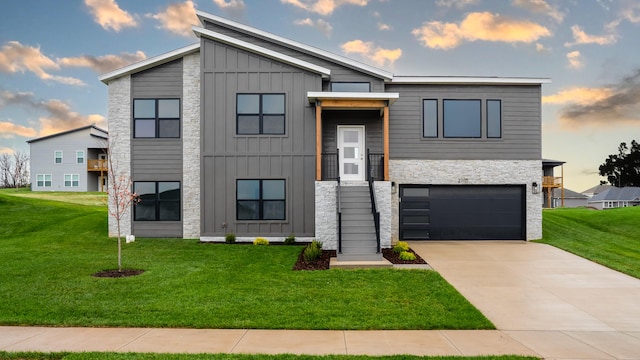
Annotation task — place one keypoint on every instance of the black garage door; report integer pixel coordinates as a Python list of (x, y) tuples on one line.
[(464, 212)]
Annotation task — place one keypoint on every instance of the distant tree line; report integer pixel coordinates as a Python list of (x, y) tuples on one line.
[(14, 170), (623, 169)]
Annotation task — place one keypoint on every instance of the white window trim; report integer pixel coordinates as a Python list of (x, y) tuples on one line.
[(44, 180), (80, 152), (61, 156), (71, 176)]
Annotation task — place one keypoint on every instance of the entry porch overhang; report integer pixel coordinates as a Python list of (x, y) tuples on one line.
[(352, 101)]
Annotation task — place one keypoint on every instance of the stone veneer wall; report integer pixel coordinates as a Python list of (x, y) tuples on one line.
[(119, 118), (326, 219), (472, 172), (383, 204), (191, 146)]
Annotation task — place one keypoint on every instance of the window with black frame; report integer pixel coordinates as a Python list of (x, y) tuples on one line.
[(159, 201), (156, 118), (260, 114), (462, 118), (260, 199)]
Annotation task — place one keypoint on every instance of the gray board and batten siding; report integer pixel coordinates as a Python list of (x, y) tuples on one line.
[(339, 73), (521, 131), (155, 159), (227, 157)]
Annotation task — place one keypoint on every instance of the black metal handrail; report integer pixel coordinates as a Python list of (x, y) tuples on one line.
[(372, 194), (339, 190), (375, 165), (330, 167)]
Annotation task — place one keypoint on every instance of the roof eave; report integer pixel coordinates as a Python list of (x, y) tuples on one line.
[(314, 96), (149, 62), (474, 80)]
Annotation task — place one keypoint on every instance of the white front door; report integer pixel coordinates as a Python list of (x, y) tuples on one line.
[(351, 147)]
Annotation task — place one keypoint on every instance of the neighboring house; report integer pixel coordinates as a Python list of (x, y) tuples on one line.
[(73, 160), (247, 132), (615, 197), (591, 192), (569, 198), (550, 182)]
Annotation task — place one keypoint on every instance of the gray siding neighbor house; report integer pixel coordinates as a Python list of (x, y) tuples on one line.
[(73, 160), (250, 133), (615, 197)]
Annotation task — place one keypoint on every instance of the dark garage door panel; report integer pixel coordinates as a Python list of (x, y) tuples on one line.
[(471, 213)]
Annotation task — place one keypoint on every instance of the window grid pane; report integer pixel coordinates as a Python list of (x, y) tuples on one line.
[(260, 114), (80, 157), (159, 201), (260, 200), (156, 118)]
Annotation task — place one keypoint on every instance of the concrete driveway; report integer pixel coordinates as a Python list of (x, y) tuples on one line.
[(556, 303)]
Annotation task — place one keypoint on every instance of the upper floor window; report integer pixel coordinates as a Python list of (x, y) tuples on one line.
[(156, 118), (260, 114), (430, 118), (461, 118), (260, 200), (80, 156), (57, 155), (71, 180), (494, 118), (159, 201), (43, 180), (350, 87)]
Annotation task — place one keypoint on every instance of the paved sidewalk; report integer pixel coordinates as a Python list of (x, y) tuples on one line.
[(320, 342), (544, 301)]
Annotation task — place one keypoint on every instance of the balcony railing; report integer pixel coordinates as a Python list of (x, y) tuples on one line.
[(551, 181), (97, 165)]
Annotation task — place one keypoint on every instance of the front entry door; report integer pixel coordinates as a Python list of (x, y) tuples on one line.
[(351, 146)]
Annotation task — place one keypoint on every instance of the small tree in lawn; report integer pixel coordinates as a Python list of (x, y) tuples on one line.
[(121, 198)]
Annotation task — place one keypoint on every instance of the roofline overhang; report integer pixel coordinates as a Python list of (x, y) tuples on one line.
[(314, 96), (150, 62), (326, 55), (69, 132), (200, 32), (472, 80)]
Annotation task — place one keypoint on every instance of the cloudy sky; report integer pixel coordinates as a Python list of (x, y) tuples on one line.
[(51, 53)]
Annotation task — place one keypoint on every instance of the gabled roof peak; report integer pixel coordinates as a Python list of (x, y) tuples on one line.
[(105, 133), (371, 70)]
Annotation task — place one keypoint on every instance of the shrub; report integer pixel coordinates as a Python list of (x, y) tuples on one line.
[(407, 256), (290, 240), (313, 251), (230, 238), (260, 241), (400, 247)]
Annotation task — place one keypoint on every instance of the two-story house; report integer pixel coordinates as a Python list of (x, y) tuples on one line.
[(73, 160), (250, 133)]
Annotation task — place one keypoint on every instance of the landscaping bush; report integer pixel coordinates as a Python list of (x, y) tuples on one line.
[(260, 241), (313, 251), (290, 240), (400, 247), (230, 238), (407, 256)]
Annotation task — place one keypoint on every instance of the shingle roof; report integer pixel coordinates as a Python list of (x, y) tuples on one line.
[(568, 194), (628, 193), (597, 189)]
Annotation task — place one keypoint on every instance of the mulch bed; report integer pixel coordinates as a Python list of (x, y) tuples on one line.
[(323, 262), (117, 274)]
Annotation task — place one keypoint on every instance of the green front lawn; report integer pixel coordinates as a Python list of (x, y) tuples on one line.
[(50, 249), (608, 237), (126, 356)]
